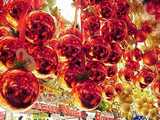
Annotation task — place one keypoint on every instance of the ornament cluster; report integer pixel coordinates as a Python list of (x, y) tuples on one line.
[(111, 56)]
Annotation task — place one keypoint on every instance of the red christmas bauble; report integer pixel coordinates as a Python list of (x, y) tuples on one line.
[(89, 94), (40, 27), (46, 59), (8, 48), (19, 88)]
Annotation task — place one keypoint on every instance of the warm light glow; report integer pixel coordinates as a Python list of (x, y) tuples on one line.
[(67, 9)]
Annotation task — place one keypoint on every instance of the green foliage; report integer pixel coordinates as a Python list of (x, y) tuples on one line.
[(104, 106)]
